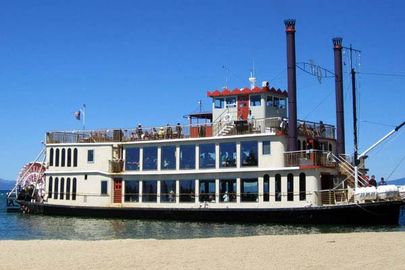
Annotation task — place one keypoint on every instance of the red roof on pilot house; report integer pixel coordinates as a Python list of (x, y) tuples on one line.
[(246, 91)]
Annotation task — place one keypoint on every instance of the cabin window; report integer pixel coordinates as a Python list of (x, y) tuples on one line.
[(168, 158), (149, 191), (276, 102), (303, 192), (63, 157), (131, 191), (290, 187), (255, 100), (57, 157), (227, 190), (227, 153), (50, 187), (277, 187), (51, 157), (249, 190), (266, 188), (104, 185), (150, 158), (168, 191), (74, 188), (207, 191), (75, 157), (269, 101), (187, 190), (62, 188), (266, 148), (90, 155), (187, 157), (69, 157), (132, 159), (219, 103), (249, 154), (68, 189), (56, 187), (283, 103), (207, 156), (231, 102)]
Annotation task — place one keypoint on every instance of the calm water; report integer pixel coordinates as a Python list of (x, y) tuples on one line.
[(20, 226)]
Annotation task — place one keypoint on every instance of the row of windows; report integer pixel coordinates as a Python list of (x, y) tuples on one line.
[(255, 100), (61, 190), (63, 157), (249, 190), (207, 156)]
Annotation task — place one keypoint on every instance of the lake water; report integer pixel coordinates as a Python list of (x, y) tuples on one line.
[(20, 226)]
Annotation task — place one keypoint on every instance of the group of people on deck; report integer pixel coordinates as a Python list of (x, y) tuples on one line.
[(153, 134), (373, 182)]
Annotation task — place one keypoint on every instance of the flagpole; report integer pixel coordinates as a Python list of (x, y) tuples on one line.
[(84, 116)]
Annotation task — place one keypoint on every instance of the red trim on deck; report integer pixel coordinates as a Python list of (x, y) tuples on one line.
[(308, 167), (246, 91)]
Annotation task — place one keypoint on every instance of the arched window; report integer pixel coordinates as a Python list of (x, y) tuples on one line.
[(277, 187), (290, 187), (55, 190), (299, 145), (75, 157), (50, 187), (303, 192), (57, 157), (62, 163), (69, 157), (68, 189), (51, 157), (330, 147), (304, 145), (266, 188), (74, 187), (62, 188)]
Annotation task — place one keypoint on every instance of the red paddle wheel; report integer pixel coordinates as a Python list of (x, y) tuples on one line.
[(32, 179)]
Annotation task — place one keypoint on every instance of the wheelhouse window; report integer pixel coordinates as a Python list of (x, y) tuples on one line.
[(277, 187), (266, 188), (56, 188), (132, 159), (249, 154), (68, 189), (168, 191), (266, 148), (303, 192), (50, 180), (290, 187), (207, 156), (74, 189), (57, 157), (168, 158), (150, 158), (149, 191), (249, 190), (69, 157), (255, 100), (187, 157), (207, 191), (227, 153), (269, 101), (231, 102), (90, 155), (227, 190), (62, 188), (63, 157), (219, 103), (51, 157), (282, 103), (75, 157), (131, 191), (187, 190), (104, 190)]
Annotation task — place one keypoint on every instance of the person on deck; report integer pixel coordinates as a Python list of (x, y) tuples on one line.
[(372, 181), (382, 182)]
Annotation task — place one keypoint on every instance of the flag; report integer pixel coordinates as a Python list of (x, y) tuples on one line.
[(77, 115)]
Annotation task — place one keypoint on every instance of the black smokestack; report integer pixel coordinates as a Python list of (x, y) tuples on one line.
[(292, 85), (340, 120)]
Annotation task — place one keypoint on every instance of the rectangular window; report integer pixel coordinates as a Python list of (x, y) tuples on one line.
[(231, 102), (168, 191), (187, 157), (249, 190), (104, 185), (131, 191), (276, 102), (187, 190), (219, 103), (207, 191), (266, 148), (249, 154), (207, 156), (90, 155), (149, 191), (255, 100), (269, 101), (168, 158), (132, 159), (150, 158), (227, 190), (227, 154), (283, 103)]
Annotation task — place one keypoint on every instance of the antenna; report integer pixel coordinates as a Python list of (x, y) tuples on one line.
[(252, 78), (226, 76)]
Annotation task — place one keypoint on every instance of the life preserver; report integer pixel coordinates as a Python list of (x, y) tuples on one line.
[(228, 117)]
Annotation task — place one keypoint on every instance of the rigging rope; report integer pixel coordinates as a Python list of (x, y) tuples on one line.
[(396, 167)]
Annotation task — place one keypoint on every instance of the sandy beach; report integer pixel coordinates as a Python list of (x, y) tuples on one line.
[(385, 250)]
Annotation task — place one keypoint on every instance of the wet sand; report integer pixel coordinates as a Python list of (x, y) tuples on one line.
[(385, 250)]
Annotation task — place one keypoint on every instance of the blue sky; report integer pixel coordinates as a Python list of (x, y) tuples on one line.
[(151, 61)]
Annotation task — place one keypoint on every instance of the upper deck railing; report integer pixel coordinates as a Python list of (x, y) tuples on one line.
[(168, 132)]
